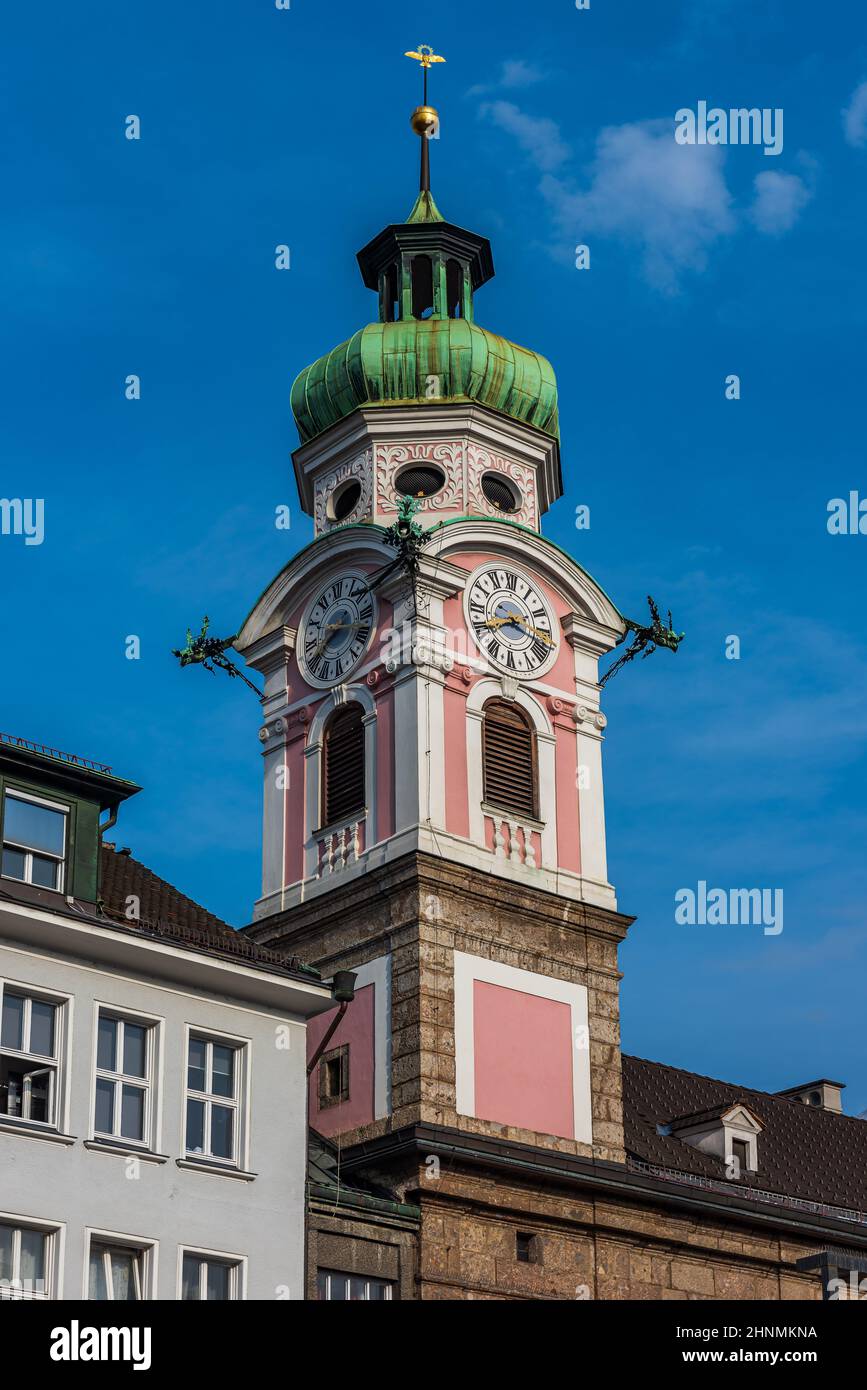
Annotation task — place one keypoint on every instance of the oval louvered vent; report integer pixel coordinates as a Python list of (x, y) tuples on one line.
[(420, 480), (501, 493), (509, 759), (343, 792)]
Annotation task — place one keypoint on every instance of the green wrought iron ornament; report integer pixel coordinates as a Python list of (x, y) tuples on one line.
[(646, 639), (210, 652), (407, 538)]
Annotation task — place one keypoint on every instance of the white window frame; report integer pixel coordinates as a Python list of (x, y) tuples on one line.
[(146, 1270), (237, 1272), (237, 1103), (28, 850), (52, 1233), (330, 1274), (146, 1083), (55, 1065)]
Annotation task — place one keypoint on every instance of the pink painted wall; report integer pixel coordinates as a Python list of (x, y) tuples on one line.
[(523, 1060), (356, 1029)]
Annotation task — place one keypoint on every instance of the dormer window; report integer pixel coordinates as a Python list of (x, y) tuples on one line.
[(34, 840), (729, 1132)]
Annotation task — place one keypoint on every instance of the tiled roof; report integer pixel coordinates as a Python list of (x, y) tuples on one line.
[(164, 911), (122, 877), (803, 1152)]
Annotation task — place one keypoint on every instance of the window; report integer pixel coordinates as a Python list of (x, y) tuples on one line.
[(390, 299), (501, 492), (34, 840), (117, 1272), (212, 1099), (343, 764), (454, 288), (741, 1155), (528, 1248), (334, 1077), (509, 759), (422, 287), (29, 1037), (124, 1065), (206, 1277), (24, 1262), (333, 1286)]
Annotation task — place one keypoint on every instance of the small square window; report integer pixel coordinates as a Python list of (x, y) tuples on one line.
[(528, 1248), (334, 1077), (740, 1156)]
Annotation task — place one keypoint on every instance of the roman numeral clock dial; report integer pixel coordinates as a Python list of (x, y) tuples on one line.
[(511, 621), (336, 630)]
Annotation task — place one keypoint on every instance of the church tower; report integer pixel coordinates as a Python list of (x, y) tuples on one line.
[(433, 805)]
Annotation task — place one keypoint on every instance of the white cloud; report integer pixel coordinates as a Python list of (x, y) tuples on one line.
[(670, 200), (779, 201), (855, 117), (517, 73), (538, 136), (514, 73)]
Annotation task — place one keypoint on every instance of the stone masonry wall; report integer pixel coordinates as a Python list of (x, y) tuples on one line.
[(423, 910)]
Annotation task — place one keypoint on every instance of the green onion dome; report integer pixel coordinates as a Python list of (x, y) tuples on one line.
[(426, 362)]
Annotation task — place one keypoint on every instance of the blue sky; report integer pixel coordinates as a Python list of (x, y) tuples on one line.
[(156, 257)]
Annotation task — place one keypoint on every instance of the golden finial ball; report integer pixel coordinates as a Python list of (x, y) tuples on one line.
[(424, 119)]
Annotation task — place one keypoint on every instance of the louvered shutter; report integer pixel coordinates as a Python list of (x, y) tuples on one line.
[(344, 765), (509, 759)]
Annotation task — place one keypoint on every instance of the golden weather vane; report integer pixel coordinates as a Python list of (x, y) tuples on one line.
[(424, 119)]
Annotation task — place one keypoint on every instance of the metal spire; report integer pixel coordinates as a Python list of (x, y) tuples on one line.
[(424, 118)]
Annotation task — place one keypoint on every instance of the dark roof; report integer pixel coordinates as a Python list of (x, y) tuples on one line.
[(713, 1112), (326, 1180), (804, 1152), (121, 877), (67, 772), (164, 911)]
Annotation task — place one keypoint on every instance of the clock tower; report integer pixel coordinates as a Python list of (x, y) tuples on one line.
[(432, 738)]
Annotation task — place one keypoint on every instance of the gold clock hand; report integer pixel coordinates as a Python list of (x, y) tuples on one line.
[(520, 622)]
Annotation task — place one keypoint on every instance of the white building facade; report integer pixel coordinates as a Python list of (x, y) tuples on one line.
[(153, 1111)]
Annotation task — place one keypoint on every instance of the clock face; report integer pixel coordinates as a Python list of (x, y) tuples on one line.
[(511, 621), (337, 629)]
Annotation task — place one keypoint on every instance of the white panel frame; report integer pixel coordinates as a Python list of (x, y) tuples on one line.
[(468, 969), (378, 973)]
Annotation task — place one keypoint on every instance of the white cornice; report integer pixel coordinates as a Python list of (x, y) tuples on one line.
[(159, 959), (429, 423)]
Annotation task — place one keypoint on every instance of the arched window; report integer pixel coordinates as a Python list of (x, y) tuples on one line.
[(343, 792), (422, 287), (454, 288), (389, 295), (509, 759)]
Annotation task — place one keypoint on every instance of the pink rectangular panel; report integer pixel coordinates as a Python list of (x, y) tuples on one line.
[(357, 1029), (523, 1060)]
